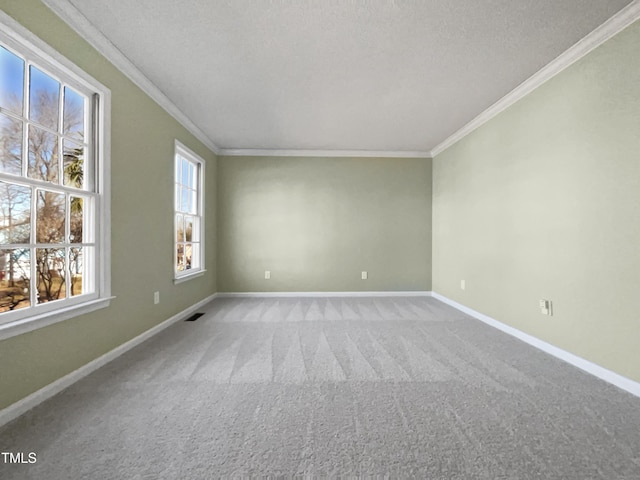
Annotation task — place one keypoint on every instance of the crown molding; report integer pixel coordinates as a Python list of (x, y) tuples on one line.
[(604, 32), (78, 22), (249, 152)]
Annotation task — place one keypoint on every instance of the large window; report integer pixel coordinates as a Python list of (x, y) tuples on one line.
[(189, 219), (52, 200)]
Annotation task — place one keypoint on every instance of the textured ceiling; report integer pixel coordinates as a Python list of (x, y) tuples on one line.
[(378, 75)]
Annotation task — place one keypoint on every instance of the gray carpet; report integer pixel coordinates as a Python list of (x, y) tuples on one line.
[(326, 387)]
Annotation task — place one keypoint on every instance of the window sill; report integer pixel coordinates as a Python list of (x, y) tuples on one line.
[(190, 276), (29, 324)]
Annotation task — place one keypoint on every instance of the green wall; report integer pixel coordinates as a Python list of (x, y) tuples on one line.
[(543, 201), (317, 223), (142, 144)]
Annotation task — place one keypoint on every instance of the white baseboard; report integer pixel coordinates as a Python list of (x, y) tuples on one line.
[(22, 406), (322, 294), (609, 376)]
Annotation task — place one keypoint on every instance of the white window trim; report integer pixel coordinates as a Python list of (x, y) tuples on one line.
[(180, 277), (17, 36), (189, 276)]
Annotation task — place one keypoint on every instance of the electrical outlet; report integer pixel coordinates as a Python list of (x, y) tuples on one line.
[(463, 284), (156, 298), (546, 307), (267, 274), (365, 275)]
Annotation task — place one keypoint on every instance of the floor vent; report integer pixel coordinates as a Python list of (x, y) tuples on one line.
[(194, 317)]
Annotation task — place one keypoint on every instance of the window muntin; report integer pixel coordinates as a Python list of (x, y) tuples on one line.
[(188, 218), (48, 197)]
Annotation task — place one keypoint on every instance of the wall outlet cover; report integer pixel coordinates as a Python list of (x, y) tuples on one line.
[(546, 307)]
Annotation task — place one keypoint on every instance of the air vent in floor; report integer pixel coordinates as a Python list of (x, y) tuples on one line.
[(194, 317)]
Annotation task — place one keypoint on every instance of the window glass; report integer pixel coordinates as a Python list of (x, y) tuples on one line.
[(43, 155), (15, 214), (49, 202), (188, 215), (51, 271), (10, 145), (73, 114), (15, 279), (44, 99), (11, 81), (73, 164)]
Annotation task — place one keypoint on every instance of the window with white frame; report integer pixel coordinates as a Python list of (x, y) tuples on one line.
[(52, 185), (189, 219)]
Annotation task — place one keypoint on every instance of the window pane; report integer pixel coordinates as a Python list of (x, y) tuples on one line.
[(43, 155), (50, 264), (188, 226), (194, 202), (180, 257), (10, 145), (50, 217), (11, 81), (192, 175), (76, 219), (194, 258), (15, 213), (14, 279), (73, 160), (185, 256), (180, 228), (188, 252), (44, 98), (195, 229), (185, 205), (177, 167), (76, 271), (188, 203), (185, 172), (73, 114)]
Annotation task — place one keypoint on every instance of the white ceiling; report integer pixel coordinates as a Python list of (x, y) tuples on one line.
[(365, 75)]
